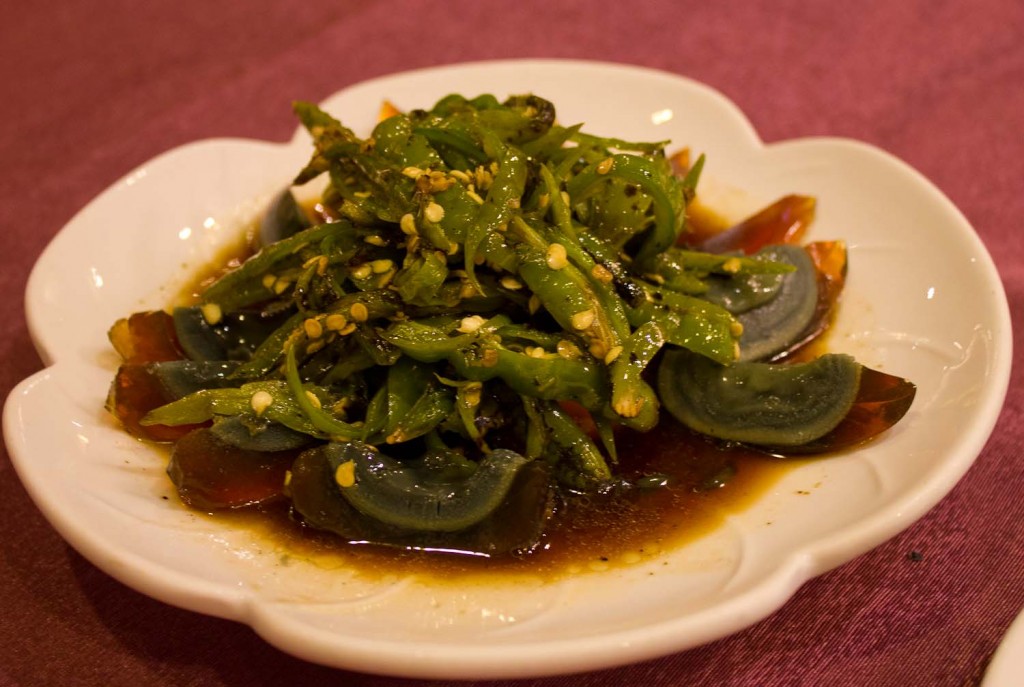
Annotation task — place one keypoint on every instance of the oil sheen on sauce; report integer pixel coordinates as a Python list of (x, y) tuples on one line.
[(692, 486)]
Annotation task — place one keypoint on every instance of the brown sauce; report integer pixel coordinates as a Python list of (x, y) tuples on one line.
[(704, 483)]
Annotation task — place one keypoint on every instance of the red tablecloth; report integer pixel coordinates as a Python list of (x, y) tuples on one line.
[(91, 90)]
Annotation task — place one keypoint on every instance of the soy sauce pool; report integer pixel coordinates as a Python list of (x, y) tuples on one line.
[(693, 485)]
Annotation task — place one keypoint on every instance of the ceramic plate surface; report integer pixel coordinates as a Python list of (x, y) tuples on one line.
[(923, 301), (1007, 664)]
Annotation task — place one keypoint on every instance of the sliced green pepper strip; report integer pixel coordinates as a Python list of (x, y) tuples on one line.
[(536, 431), (204, 405), (566, 292), (417, 403), (641, 172), (585, 455), (551, 143), (560, 211), (238, 288), (454, 141), (689, 322), (689, 182), (467, 400), (605, 142), (632, 398), (432, 342), (503, 198), (417, 282), (321, 419), (269, 351), (551, 377)]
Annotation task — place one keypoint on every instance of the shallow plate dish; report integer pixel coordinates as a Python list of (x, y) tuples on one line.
[(923, 301)]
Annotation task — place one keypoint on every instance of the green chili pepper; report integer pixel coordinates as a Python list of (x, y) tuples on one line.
[(484, 269)]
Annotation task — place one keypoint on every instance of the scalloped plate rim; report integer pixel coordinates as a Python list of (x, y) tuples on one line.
[(575, 653)]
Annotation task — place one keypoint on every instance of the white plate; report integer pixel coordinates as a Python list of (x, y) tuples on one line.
[(1007, 664), (923, 301)]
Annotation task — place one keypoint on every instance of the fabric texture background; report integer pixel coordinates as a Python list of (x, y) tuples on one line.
[(92, 90)]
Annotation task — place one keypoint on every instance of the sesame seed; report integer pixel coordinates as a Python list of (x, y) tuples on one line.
[(412, 172), (408, 224), (471, 394), (605, 165), (359, 312), (490, 357), (565, 197), (655, 278), (313, 328), (313, 398), (439, 182), (583, 319), (361, 194), (534, 304), (381, 266), (536, 352), (375, 240), (434, 212), (601, 274), (568, 350), (348, 329), (598, 349), (557, 256), (614, 353), (287, 477), (345, 474), (268, 281), (629, 406), (361, 271), (483, 178), (475, 196), (336, 322), (315, 346), (468, 325), (543, 200), (510, 283), (260, 401), (736, 328), (732, 265), (341, 405), (211, 313), (281, 285), (460, 175)]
